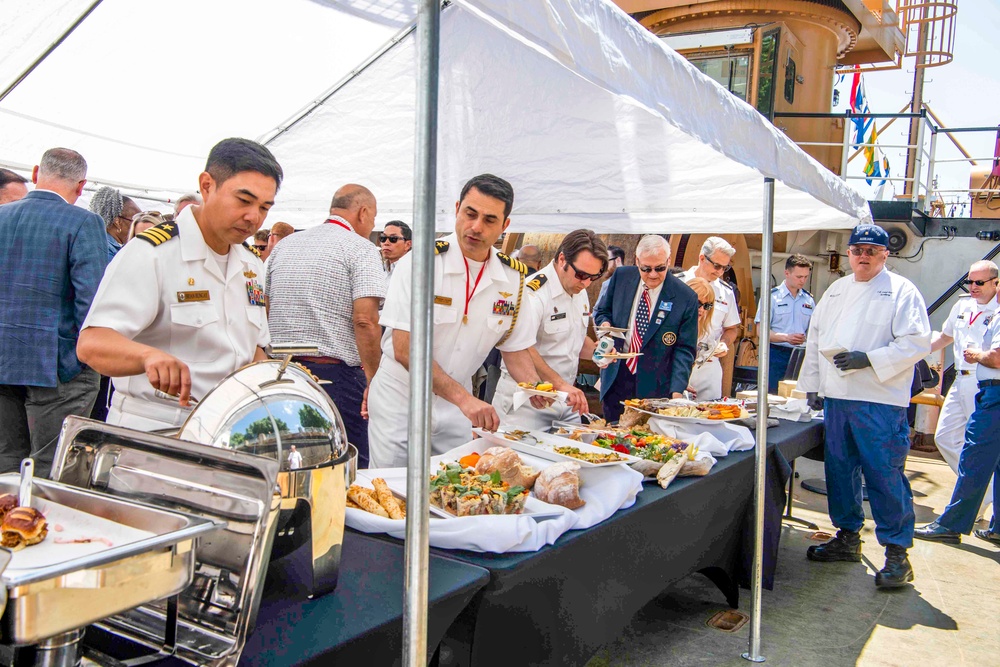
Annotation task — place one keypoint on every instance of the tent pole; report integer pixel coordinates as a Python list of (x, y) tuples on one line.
[(421, 336), (52, 47), (760, 458)]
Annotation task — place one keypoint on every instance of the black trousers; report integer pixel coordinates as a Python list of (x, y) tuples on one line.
[(621, 389), (346, 388)]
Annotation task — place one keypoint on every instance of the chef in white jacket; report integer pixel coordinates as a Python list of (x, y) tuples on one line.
[(868, 331)]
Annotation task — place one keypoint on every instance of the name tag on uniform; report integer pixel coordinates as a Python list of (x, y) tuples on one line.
[(201, 295), (558, 316), (442, 300)]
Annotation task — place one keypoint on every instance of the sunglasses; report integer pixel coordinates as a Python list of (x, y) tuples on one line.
[(980, 283), (382, 238), (715, 265), (706, 306), (582, 275), (869, 251), (262, 248), (653, 269)]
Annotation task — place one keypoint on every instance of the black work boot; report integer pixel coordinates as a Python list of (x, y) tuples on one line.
[(897, 571), (845, 546)]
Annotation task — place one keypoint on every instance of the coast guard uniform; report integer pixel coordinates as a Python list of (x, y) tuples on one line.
[(967, 325), (464, 334), (789, 315), (169, 290), (980, 459), (865, 409), (706, 378), (562, 320)]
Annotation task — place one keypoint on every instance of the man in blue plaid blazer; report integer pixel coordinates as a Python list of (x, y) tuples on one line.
[(53, 257)]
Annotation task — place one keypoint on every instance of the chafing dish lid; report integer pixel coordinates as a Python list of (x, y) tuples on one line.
[(260, 410)]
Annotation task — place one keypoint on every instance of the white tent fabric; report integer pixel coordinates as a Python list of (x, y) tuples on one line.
[(593, 119)]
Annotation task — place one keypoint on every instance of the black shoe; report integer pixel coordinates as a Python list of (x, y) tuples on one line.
[(935, 532), (897, 571), (845, 546), (991, 537)]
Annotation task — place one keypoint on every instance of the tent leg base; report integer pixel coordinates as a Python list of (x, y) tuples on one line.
[(759, 658)]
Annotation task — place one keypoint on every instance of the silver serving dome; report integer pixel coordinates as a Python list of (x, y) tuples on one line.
[(266, 408)]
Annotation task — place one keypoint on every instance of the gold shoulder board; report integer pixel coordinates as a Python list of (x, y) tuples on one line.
[(517, 265), (161, 233), (535, 283), (250, 248), (440, 247)]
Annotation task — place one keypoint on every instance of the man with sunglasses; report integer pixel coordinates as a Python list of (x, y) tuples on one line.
[(715, 258), (661, 315), (394, 242), (965, 328), (560, 306), (868, 332)]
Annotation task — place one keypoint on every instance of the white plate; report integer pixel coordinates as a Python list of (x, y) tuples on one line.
[(622, 355), (687, 420), (546, 448), (534, 507)]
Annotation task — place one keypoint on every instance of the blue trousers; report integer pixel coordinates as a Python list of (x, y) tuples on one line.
[(979, 461), (777, 365), (621, 389), (346, 388), (872, 438)]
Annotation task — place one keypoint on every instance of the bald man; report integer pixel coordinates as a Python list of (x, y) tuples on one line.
[(324, 286), (531, 256)]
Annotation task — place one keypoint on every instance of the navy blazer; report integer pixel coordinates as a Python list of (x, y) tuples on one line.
[(52, 260), (671, 340)]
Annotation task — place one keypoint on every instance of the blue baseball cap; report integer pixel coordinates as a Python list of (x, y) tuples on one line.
[(869, 235)]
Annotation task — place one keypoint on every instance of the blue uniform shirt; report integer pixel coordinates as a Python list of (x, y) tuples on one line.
[(789, 314)]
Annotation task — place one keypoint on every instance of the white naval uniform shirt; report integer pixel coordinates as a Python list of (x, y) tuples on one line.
[(725, 312), (885, 318), (991, 341), (155, 295), (966, 323), (459, 349), (561, 321)]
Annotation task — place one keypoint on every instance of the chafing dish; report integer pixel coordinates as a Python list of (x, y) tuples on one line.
[(51, 596), (272, 408)]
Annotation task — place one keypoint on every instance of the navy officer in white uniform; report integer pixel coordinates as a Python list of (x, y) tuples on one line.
[(478, 296), (562, 309), (964, 329), (980, 459), (181, 306), (791, 309), (868, 332)]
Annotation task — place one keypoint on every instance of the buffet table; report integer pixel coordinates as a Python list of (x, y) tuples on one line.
[(562, 603), (359, 623)]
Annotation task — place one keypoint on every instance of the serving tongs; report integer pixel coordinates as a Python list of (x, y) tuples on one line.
[(27, 479), (519, 436)]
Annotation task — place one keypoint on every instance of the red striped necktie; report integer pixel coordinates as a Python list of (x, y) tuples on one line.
[(639, 329)]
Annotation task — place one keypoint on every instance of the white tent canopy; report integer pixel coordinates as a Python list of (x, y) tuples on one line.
[(593, 119)]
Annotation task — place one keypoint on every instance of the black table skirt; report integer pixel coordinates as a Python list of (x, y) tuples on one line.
[(359, 623), (563, 602)]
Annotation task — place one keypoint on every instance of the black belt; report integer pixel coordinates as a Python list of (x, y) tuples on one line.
[(989, 383), (324, 361)]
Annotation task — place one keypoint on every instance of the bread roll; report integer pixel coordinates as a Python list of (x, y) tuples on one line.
[(8, 501), (559, 484), (22, 527), (505, 461)]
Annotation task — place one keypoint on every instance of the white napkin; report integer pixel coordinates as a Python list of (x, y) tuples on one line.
[(716, 439), (795, 410), (606, 490), (521, 397)]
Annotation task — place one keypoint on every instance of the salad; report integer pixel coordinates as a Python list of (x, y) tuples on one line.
[(643, 444)]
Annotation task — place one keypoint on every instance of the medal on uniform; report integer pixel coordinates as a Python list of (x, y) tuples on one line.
[(255, 293)]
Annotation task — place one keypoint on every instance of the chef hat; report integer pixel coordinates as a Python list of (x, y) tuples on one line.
[(869, 235)]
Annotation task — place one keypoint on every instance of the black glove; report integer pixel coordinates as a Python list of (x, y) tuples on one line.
[(814, 401), (846, 361)]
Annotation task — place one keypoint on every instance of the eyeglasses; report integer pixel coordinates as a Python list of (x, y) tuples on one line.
[(261, 248), (980, 283), (581, 275), (716, 265), (653, 269), (382, 238), (706, 306), (868, 251)]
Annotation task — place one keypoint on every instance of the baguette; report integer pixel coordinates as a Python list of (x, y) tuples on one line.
[(387, 500), (363, 498)]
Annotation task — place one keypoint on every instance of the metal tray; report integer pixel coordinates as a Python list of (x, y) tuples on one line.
[(47, 601)]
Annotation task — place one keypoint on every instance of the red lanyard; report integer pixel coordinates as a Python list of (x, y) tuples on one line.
[(468, 294), (974, 318), (340, 224)]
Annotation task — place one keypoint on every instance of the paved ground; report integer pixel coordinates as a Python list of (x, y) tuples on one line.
[(831, 614)]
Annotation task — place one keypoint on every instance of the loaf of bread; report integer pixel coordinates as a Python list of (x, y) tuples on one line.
[(505, 461), (22, 527), (559, 484)]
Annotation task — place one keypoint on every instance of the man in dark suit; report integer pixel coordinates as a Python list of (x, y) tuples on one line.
[(661, 315), (54, 257)]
